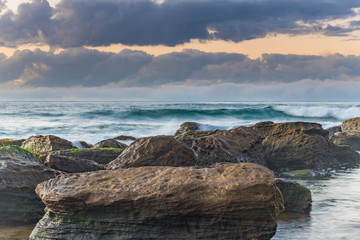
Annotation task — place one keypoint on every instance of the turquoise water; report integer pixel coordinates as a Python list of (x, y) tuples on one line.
[(95, 121)]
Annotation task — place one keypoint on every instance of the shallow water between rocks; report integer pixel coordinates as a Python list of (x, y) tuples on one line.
[(335, 212)]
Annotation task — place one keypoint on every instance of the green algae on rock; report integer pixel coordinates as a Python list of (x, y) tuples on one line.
[(297, 198)]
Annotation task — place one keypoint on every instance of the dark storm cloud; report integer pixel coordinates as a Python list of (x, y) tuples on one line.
[(75, 23), (92, 68)]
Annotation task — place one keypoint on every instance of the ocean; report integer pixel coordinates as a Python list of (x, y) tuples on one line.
[(96, 121), (336, 199)]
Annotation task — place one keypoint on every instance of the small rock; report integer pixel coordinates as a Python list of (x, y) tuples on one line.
[(351, 125), (125, 138), (8, 142), (99, 155), (186, 127), (297, 198), (40, 145), (71, 165), (110, 143), (346, 138)]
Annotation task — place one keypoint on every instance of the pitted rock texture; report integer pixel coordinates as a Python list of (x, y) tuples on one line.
[(154, 151), (40, 145), (351, 125), (232, 146), (229, 201), (302, 145)]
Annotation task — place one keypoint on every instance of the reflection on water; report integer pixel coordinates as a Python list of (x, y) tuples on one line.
[(15, 232), (335, 213)]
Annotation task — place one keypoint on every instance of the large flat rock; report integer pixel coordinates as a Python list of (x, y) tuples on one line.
[(229, 201)]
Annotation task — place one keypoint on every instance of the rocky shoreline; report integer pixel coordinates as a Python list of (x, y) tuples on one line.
[(221, 184)]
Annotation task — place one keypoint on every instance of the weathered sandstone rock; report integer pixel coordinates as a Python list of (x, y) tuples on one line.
[(333, 130), (19, 175), (301, 145), (230, 201), (99, 155), (154, 151), (9, 142), (110, 143), (233, 146), (351, 125), (71, 165), (125, 138), (297, 198), (186, 127), (40, 145), (188, 138), (347, 138)]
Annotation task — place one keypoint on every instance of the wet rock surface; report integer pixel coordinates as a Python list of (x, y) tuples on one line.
[(229, 201), (297, 198), (19, 175)]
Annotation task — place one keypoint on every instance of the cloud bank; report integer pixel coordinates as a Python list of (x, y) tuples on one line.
[(129, 68), (77, 23)]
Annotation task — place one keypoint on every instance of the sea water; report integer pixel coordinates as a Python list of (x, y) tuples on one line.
[(336, 199), (96, 121)]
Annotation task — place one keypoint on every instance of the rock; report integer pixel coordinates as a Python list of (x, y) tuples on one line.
[(19, 175), (301, 145), (99, 155), (347, 138), (40, 145), (233, 146), (81, 144), (154, 151), (230, 201), (125, 138), (297, 198), (71, 165), (351, 125), (333, 130), (263, 124), (9, 142), (188, 138), (110, 143), (186, 127)]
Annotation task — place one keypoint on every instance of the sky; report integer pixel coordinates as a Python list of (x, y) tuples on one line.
[(180, 50)]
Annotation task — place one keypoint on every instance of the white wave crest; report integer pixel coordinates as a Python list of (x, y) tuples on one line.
[(340, 113)]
